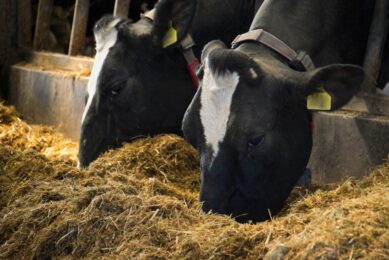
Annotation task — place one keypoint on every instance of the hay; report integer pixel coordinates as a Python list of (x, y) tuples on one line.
[(18, 134), (131, 203)]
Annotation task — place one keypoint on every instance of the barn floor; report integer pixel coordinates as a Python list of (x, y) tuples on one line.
[(140, 201)]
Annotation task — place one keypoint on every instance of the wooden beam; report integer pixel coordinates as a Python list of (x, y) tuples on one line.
[(121, 8), (24, 23), (42, 24), (80, 20), (8, 22)]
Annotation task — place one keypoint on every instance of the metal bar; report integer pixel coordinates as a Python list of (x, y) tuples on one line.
[(121, 8), (375, 45), (80, 20), (24, 23), (42, 27)]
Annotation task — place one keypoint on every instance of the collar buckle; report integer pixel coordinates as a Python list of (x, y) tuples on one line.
[(302, 62)]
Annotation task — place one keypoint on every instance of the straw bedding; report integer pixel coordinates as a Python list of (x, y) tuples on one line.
[(22, 136), (140, 201)]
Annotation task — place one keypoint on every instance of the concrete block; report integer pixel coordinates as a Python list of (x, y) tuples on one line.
[(50, 97), (51, 60), (347, 144)]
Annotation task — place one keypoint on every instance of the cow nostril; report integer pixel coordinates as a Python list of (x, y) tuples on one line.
[(221, 205)]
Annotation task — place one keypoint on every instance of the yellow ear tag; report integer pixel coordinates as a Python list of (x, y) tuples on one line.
[(319, 101), (170, 36)]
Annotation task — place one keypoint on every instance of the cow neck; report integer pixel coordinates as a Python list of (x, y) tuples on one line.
[(186, 48), (299, 61), (330, 31)]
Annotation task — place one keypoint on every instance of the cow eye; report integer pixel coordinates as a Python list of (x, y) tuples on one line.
[(115, 90), (256, 141)]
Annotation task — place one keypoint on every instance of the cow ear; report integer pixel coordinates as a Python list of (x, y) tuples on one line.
[(208, 48), (219, 57), (172, 21), (105, 31), (211, 46), (331, 87)]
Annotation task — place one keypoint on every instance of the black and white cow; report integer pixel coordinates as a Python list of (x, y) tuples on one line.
[(139, 88), (249, 119)]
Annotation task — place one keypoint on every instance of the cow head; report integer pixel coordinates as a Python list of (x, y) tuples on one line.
[(135, 79), (249, 122)]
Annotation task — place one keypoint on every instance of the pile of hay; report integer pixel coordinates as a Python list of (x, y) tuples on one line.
[(141, 201), (22, 136)]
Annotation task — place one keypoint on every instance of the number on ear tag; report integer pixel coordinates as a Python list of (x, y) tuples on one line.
[(319, 101), (170, 36)]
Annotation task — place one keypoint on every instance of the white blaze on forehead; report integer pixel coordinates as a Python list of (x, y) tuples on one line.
[(105, 39), (216, 97)]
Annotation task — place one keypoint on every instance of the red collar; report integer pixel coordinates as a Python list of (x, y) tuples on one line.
[(192, 63)]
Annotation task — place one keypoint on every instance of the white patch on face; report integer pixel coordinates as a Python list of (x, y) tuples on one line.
[(106, 35), (216, 98), (105, 39)]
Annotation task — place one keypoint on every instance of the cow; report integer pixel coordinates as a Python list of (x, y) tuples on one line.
[(249, 120), (137, 87)]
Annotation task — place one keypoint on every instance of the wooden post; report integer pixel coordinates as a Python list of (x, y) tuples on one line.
[(121, 8), (375, 45), (80, 20), (24, 23), (42, 24), (9, 53)]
